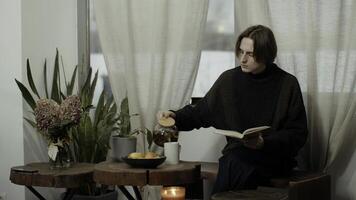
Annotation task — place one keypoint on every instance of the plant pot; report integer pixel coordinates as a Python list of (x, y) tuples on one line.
[(122, 146)]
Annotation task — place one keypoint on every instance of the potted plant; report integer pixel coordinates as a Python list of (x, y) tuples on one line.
[(124, 139), (90, 135)]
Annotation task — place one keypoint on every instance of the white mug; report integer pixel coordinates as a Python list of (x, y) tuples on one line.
[(171, 151)]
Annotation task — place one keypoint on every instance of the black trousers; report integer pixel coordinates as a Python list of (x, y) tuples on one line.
[(244, 169)]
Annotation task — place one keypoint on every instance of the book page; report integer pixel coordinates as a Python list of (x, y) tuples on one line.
[(247, 133), (255, 129), (229, 133)]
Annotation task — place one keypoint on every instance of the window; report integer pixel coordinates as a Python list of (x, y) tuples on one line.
[(217, 47), (97, 61)]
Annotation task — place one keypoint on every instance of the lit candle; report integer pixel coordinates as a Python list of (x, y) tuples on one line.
[(173, 193)]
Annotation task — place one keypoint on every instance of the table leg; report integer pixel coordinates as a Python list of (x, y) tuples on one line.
[(137, 193), (38, 195), (126, 193), (69, 194)]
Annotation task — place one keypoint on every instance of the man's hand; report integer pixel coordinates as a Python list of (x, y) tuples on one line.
[(254, 142), (165, 114)]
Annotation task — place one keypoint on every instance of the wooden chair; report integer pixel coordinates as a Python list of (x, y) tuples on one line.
[(309, 186), (301, 185)]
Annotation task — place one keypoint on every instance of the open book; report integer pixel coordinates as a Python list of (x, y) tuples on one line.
[(251, 132)]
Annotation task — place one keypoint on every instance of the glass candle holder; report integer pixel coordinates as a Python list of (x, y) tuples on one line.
[(173, 193)]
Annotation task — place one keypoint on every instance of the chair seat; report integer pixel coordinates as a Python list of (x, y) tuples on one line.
[(261, 193), (309, 187), (297, 175)]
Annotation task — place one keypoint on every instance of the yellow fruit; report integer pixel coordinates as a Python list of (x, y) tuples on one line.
[(151, 155), (136, 155), (166, 122)]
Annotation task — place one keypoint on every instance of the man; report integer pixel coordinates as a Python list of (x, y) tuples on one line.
[(256, 93)]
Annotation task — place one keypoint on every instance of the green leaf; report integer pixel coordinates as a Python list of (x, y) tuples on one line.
[(85, 90), (64, 73), (55, 93), (99, 108), (45, 78), (26, 95), (86, 85), (85, 138), (74, 134), (108, 119), (62, 95), (30, 79), (70, 86), (125, 126), (92, 87), (149, 137), (113, 108), (87, 108), (105, 110), (108, 103), (32, 123), (125, 106)]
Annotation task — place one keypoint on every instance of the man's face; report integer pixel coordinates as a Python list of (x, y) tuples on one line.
[(247, 59)]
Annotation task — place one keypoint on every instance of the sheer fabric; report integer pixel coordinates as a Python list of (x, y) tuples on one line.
[(151, 50)]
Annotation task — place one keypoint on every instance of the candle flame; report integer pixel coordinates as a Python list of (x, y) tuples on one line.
[(173, 192)]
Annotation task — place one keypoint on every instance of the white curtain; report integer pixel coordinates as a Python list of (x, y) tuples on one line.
[(316, 43), (151, 50)]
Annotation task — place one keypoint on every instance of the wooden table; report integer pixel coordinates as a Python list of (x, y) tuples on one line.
[(39, 174), (121, 174)]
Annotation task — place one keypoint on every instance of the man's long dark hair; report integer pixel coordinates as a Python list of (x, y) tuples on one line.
[(264, 43)]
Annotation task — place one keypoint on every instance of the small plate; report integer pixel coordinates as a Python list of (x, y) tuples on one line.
[(144, 163)]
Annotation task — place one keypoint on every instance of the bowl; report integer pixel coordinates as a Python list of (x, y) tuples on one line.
[(144, 162)]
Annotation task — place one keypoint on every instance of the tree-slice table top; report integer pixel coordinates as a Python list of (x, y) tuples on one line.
[(71, 177), (118, 173)]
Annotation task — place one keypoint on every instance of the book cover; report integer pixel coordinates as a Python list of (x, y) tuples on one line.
[(251, 132)]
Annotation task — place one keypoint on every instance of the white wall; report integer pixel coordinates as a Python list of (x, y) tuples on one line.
[(29, 29), (11, 137), (46, 25)]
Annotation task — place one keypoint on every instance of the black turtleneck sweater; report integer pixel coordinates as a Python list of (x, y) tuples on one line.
[(238, 101)]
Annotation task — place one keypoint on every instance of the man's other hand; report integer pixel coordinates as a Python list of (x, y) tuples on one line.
[(254, 142)]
